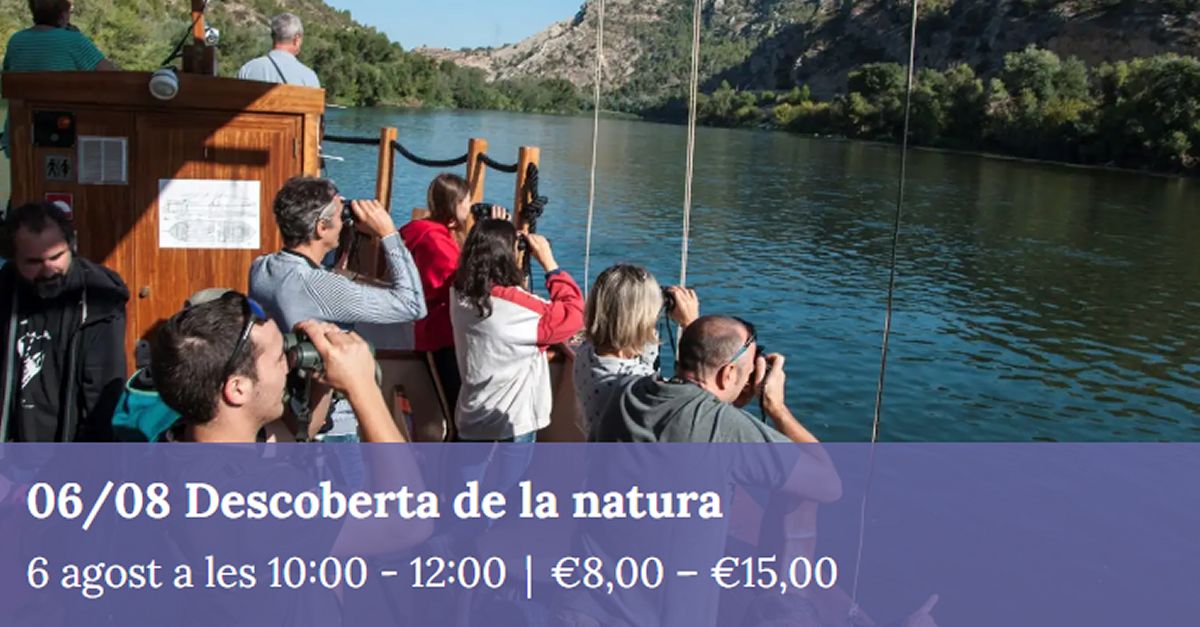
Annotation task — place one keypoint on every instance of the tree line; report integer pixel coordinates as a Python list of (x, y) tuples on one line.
[(1142, 113), (358, 66)]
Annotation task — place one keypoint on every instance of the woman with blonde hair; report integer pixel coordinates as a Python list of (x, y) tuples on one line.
[(622, 338)]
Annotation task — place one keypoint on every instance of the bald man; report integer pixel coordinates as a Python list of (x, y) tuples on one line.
[(719, 370)]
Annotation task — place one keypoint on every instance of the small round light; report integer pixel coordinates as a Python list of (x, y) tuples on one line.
[(164, 84)]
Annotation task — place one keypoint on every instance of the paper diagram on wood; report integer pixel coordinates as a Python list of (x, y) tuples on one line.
[(195, 213)]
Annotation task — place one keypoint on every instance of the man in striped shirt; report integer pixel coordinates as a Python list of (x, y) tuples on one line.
[(52, 45), (293, 286)]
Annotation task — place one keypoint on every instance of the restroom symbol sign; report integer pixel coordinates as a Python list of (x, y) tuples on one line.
[(59, 168)]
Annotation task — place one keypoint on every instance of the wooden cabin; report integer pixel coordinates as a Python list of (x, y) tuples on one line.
[(176, 195)]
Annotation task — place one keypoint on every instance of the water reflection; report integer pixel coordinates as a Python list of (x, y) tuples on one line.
[(1034, 302)]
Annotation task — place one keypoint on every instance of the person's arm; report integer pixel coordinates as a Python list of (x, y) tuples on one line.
[(102, 377), (687, 306), (350, 368), (562, 318), (348, 302), (814, 475), (88, 57)]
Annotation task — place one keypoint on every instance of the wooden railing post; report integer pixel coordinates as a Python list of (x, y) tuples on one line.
[(372, 254), (476, 170), (526, 156), (387, 167)]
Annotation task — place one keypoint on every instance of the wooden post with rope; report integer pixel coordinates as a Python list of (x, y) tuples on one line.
[(476, 170), (386, 168), (526, 156), (372, 252), (198, 57), (476, 175)]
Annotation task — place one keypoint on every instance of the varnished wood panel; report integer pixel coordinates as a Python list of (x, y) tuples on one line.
[(132, 89), (311, 153), (198, 146)]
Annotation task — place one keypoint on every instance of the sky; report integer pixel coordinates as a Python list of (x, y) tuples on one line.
[(458, 23)]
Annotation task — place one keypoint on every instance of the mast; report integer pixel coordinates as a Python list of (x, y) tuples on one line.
[(199, 58)]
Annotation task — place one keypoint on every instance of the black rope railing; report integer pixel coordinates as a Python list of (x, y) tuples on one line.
[(355, 141), (496, 165), (429, 163), (401, 150)]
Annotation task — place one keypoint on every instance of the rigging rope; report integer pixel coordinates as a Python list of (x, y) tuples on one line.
[(691, 143), (891, 290), (587, 241)]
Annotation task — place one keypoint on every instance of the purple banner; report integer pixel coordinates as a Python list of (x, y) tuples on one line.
[(554, 534)]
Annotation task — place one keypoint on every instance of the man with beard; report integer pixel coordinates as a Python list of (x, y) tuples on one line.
[(64, 333)]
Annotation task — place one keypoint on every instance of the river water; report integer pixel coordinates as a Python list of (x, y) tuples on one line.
[(1033, 301)]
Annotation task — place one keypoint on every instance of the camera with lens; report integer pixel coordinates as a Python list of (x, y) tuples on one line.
[(347, 212), (668, 299)]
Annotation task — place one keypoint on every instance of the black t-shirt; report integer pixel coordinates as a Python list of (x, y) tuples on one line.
[(43, 337)]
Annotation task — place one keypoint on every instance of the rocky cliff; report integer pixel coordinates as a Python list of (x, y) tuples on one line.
[(776, 44)]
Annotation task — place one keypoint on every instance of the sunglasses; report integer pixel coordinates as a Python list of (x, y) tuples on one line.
[(252, 313), (751, 339)]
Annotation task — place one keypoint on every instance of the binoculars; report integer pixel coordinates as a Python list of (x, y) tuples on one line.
[(482, 210)]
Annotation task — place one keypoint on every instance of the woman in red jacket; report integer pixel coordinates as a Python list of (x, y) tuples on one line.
[(434, 244)]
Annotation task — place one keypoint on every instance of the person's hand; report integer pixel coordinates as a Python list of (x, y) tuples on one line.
[(687, 306), (773, 384), (750, 392), (539, 247), (500, 213), (349, 364), (372, 218), (922, 617)]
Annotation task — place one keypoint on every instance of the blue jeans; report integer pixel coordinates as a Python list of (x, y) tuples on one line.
[(349, 459)]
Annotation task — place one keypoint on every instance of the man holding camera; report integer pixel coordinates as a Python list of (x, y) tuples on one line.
[(222, 366), (293, 286), (718, 371)]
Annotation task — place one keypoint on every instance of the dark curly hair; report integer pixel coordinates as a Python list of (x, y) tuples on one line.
[(488, 259)]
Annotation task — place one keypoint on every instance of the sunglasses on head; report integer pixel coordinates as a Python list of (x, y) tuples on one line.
[(750, 339), (252, 313)]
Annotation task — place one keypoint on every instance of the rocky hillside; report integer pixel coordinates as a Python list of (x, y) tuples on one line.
[(776, 44)]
